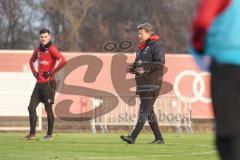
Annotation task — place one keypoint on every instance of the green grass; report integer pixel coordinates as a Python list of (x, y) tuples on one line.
[(78, 146)]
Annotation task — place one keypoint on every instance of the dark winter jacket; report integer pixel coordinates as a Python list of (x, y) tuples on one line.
[(151, 56)]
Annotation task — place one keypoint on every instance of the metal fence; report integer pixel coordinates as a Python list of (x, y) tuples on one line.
[(170, 111)]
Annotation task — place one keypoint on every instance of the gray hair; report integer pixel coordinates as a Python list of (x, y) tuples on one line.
[(148, 27)]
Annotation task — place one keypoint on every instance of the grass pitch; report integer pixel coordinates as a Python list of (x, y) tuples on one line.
[(78, 146)]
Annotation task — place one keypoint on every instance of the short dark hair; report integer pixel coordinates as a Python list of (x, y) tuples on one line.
[(44, 30)]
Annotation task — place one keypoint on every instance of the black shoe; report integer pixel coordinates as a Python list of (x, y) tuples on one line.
[(157, 141), (127, 139), (48, 137), (30, 137)]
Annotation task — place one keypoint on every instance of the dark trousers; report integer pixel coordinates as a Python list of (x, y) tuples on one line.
[(146, 113), (45, 93), (228, 147), (225, 91)]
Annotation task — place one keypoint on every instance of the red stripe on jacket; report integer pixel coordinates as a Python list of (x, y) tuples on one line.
[(206, 13)]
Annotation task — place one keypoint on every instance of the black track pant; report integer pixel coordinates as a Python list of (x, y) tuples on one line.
[(146, 113), (225, 90), (45, 93), (228, 148)]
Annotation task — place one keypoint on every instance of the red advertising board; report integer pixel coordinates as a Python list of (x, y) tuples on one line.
[(105, 72)]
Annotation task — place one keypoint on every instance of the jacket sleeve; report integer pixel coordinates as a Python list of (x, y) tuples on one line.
[(206, 13), (32, 60), (62, 61), (158, 54), (158, 58)]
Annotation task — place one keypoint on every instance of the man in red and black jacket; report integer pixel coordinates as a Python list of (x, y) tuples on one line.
[(48, 61)]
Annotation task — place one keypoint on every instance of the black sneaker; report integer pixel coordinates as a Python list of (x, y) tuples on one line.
[(127, 139), (157, 141), (48, 138), (30, 137)]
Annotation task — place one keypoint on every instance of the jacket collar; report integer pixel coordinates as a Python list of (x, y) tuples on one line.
[(43, 48), (153, 38)]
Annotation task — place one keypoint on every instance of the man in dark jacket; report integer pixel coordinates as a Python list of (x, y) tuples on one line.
[(148, 70)]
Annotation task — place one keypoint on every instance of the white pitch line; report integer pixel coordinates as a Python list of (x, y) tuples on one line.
[(152, 156), (160, 155), (182, 155), (199, 145), (93, 158)]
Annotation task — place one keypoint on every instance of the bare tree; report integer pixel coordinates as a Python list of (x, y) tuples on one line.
[(65, 17), (14, 31), (117, 20), (84, 25)]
